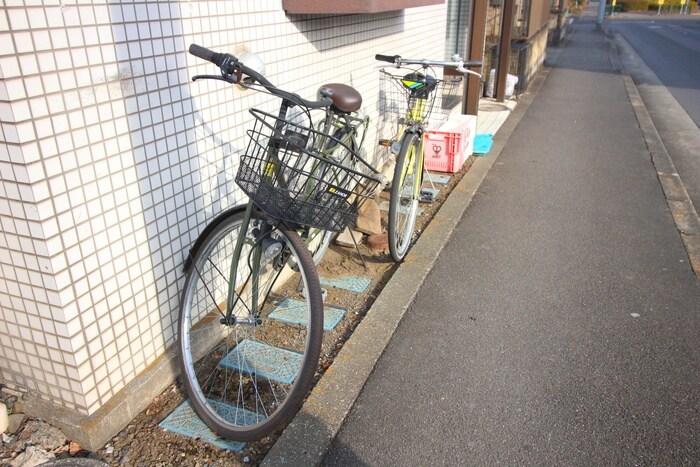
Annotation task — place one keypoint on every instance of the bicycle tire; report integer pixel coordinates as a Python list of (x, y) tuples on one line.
[(403, 204), (247, 379)]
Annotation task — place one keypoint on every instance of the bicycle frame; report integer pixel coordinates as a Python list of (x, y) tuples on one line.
[(232, 300), (346, 127), (417, 128)]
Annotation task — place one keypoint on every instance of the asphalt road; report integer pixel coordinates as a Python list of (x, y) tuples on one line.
[(671, 48), (560, 324)]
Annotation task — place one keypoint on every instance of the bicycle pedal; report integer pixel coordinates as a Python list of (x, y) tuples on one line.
[(385, 142)]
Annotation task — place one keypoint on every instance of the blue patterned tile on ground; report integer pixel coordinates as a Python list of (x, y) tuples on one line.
[(438, 179), (353, 284), (294, 311), (183, 420), (264, 360), (384, 206)]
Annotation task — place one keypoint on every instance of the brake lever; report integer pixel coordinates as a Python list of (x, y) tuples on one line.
[(228, 78), (466, 71)]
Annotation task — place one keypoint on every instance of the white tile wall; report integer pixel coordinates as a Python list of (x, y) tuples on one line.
[(112, 161)]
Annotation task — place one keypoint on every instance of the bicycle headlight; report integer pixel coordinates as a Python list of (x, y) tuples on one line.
[(253, 62)]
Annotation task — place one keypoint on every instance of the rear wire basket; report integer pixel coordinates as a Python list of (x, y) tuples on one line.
[(396, 99), (289, 179)]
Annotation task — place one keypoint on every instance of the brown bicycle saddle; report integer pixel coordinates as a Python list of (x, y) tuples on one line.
[(345, 98)]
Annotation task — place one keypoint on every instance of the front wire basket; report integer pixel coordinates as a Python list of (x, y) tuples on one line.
[(289, 179), (430, 100)]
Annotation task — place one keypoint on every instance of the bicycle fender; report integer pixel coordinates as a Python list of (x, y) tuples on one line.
[(210, 226)]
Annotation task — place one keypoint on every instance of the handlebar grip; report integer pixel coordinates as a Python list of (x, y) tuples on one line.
[(386, 58), (475, 64), (206, 54)]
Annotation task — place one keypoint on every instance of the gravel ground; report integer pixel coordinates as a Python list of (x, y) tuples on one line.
[(143, 443)]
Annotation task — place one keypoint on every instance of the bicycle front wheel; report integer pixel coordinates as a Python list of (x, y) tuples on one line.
[(247, 371), (405, 192)]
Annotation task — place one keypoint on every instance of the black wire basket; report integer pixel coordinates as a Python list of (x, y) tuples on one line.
[(290, 179), (417, 96)]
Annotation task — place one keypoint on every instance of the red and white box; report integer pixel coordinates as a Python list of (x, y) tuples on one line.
[(447, 147)]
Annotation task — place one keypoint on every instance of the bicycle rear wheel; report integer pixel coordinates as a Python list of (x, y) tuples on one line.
[(405, 191), (248, 374), (319, 240)]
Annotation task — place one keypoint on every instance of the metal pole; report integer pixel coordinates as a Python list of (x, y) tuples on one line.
[(504, 50), (475, 49), (560, 22), (601, 12)]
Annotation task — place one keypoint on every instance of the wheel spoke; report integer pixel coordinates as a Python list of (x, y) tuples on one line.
[(246, 376)]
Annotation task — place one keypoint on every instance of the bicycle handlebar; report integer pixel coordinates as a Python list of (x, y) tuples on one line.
[(206, 54), (229, 65), (457, 63)]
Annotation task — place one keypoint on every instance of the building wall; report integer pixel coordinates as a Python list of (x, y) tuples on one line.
[(112, 161), (539, 17)]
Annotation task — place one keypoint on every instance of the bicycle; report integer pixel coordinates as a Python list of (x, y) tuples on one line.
[(411, 96), (347, 128), (245, 366)]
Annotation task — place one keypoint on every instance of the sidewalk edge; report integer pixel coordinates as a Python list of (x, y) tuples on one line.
[(308, 436)]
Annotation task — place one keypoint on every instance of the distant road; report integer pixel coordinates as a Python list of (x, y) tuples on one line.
[(671, 48)]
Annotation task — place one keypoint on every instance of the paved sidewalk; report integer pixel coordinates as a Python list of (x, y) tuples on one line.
[(557, 325)]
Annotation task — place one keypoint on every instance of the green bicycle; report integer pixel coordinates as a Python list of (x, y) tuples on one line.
[(251, 309)]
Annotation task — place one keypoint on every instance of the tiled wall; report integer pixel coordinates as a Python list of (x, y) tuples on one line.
[(112, 161)]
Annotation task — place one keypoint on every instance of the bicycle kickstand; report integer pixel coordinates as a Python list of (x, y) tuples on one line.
[(357, 248)]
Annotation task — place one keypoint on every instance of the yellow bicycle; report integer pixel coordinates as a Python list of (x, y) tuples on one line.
[(411, 95)]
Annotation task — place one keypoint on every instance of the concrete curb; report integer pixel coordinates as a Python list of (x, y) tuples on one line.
[(682, 209), (308, 436)]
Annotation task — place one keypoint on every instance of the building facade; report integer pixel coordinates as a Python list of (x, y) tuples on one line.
[(112, 162)]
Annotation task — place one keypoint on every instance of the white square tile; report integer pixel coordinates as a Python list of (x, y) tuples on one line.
[(59, 38), (7, 46), (34, 86), (87, 15), (25, 132), (18, 19), (78, 57), (39, 108), (71, 15), (21, 111), (37, 18), (10, 67), (23, 42), (6, 112), (42, 40), (10, 133), (103, 14), (4, 24), (91, 36)]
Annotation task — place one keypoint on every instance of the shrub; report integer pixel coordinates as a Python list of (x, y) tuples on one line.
[(636, 5)]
